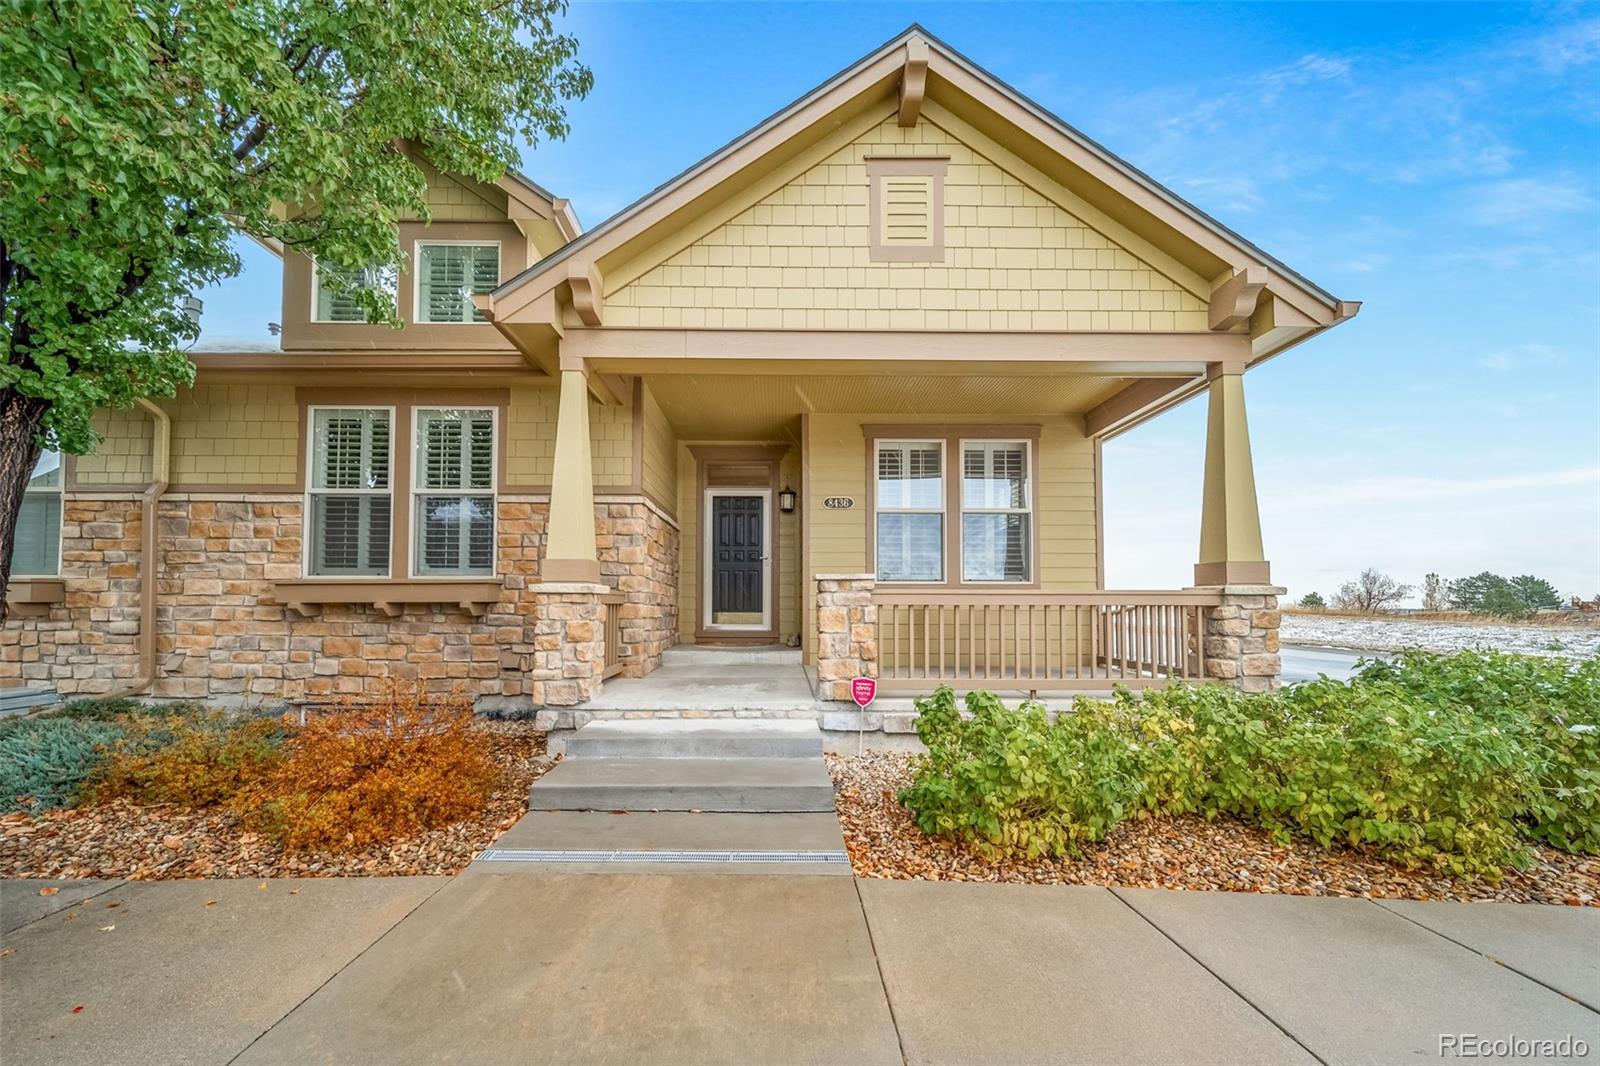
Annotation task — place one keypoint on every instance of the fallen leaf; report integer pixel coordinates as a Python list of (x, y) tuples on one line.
[(6, 953), (78, 1009), (211, 903), (107, 928), (49, 890), (171, 842), (262, 887)]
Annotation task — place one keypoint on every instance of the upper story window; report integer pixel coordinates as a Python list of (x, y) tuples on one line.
[(448, 274), (453, 526), (36, 546), (910, 502), (331, 305), (996, 511), (906, 212), (351, 492)]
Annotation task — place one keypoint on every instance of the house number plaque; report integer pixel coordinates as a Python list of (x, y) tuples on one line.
[(839, 503)]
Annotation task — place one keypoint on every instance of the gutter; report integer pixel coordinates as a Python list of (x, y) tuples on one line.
[(149, 563)]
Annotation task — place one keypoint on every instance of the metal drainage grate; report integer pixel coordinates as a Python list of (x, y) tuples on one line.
[(702, 857)]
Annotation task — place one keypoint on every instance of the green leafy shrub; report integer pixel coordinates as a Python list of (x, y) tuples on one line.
[(1451, 762), (191, 760), (45, 760), (1012, 783)]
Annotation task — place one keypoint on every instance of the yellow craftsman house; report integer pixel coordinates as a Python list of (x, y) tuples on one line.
[(832, 399)]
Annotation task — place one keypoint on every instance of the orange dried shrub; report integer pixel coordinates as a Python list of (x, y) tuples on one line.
[(375, 770), (193, 760)]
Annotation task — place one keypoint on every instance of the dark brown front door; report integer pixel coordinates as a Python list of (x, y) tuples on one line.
[(738, 547)]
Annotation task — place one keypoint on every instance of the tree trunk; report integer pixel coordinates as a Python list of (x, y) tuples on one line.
[(20, 417)]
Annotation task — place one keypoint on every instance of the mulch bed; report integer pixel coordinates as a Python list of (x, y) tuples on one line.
[(123, 840), (1182, 853)]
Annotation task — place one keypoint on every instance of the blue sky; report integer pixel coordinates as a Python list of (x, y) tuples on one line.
[(1440, 163)]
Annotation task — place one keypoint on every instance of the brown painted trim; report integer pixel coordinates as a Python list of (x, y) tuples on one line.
[(1134, 404), (638, 430), (913, 81), (1234, 301), (952, 435), (401, 448), (334, 359), (666, 350), (711, 455), (931, 167), (387, 594), (1099, 515), (35, 590), (808, 594)]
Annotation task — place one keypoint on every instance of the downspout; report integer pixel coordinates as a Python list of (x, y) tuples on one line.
[(149, 563)]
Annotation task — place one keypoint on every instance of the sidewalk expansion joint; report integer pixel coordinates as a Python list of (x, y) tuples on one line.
[(709, 858)]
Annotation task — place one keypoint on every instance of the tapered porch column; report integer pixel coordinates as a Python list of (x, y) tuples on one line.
[(1230, 522), (570, 553)]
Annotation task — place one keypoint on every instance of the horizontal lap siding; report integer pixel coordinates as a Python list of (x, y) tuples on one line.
[(1064, 503), (798, 259)]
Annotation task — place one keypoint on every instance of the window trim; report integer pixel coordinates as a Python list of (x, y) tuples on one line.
[(416, 271), (951, 434), (311, 316), (943, 510), (415, 490), (310, 479), (1029, 509), (59, 490)]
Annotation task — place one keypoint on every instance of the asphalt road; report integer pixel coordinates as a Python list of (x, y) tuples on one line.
[(1304, 664)]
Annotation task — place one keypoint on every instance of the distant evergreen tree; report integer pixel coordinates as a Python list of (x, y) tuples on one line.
[(1313, 601)]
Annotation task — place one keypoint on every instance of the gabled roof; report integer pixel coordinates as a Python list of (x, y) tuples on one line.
[(1111, 186)]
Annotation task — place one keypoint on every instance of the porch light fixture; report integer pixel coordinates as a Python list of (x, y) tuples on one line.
[(786, 500)]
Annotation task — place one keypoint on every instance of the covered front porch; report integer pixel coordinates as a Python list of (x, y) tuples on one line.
[(938, 526)]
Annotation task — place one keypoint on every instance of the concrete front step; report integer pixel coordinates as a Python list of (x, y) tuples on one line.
[(648, 784), (711, 655), (696, 738), (674, 842)]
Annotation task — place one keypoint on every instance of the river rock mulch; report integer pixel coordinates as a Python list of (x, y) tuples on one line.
[(1180, 853), (122, 840)]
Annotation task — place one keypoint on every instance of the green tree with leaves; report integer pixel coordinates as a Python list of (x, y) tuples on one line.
[(141, 135), (1469, 593), (1313, 601), (1536, 593)]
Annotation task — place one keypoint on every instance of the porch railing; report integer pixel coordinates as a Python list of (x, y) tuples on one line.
[(1040, 641), (613, 601)]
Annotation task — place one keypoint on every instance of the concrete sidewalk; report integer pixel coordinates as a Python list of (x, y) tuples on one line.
[(644, 967)]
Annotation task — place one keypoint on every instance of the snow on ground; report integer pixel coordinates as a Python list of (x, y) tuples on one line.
[(1394, 634)]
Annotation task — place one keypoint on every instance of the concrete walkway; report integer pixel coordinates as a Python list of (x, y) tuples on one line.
[(564, 967)]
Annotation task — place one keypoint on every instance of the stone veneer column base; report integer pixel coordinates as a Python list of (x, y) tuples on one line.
[(1242, 638), (847, 632), (569, 642)]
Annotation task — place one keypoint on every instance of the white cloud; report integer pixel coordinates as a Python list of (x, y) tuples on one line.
[(1523, 357), (1236, 193), (1574, 45), (1526, 202)]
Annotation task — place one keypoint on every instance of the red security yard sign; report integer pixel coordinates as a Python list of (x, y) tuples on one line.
[(862, 690)]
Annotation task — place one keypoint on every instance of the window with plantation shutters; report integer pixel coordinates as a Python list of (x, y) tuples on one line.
[(996, 511), (337, 302), (453, 530), (447, 277), (909, 496), (350, 492), (36, 544)]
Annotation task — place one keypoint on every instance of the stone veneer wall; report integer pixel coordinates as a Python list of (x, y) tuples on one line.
[(222, 635), (847, 632), (1242, 638)]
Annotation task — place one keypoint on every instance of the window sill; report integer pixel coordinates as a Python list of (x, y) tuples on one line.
[(306, 596), (32, 597)]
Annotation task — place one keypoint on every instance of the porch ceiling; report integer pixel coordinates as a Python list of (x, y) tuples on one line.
[(764, 406)]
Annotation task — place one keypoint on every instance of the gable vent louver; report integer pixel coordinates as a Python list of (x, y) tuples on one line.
[(907, 208)]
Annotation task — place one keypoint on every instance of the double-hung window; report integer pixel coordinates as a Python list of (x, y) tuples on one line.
[(910, 500), (447, 277), (996, 511), (36, 546), (453, 531), (350, 491), (340, 304)]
